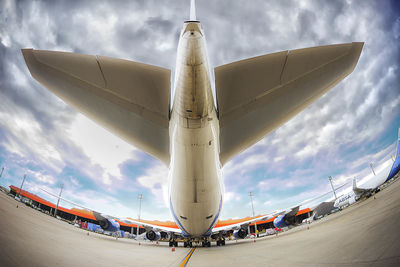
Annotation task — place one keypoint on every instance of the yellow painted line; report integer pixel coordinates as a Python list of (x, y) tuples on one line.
[(186, 259)]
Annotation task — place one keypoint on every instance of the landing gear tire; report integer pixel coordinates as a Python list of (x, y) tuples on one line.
[(206, 243), (218, 243), (176, 244), (190, 244), (185, 244), (170, 243), (223, 242)]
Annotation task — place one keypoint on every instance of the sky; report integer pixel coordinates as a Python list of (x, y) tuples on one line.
[(354, 124)]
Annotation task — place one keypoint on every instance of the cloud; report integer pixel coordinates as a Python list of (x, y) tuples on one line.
[(26, 138), (102, 148), (280, 184), (41, 177), (155, 178), (231, 196), (267, 203)]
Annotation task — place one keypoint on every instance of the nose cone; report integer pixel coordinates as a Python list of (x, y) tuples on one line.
[(198, 224)]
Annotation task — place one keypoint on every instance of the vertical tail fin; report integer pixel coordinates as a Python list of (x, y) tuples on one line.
[(396, 164), (193, 10), (358, 191), (398, 145)]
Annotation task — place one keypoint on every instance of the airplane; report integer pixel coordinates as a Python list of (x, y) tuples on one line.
[(288, 218), (371, 185), (194, 138), (349, 198)]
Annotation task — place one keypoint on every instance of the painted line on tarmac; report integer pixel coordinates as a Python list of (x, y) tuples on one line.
[(186, 259)]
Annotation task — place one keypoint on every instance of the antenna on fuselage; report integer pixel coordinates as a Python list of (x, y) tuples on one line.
[(193, 10)]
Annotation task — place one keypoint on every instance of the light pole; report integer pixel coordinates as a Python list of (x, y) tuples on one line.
[(140, 196), (333, 189), (58, 201), (22, 184), (252, 207), (371, 165), (2, 169)]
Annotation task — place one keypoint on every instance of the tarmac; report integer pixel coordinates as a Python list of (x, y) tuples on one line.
[(364, 234)]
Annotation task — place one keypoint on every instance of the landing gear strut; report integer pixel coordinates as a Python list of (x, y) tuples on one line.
[(221, 242), (205, 243), (188, 244), (173, 243), (220, 239)]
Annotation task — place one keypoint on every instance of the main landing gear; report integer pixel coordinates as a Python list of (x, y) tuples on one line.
[(173, 243), (221, 242), (206, 243), (187, 244)]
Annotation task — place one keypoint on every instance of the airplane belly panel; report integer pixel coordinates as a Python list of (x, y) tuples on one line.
[(195, 180)]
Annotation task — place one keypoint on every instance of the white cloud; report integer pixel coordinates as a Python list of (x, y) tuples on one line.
[(281, 184), (26, 138), (245, 165), (155, 178), (231, 196), (276, 159), (75, 182), (268, 203), (102, 148), (42, 178)]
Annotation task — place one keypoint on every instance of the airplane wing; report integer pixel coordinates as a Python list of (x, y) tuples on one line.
[(291, 212), (243, 224), (257, 95), (288, 212), (100, 216), (311, 200), (149, 226), (66, 200), (128, 98)]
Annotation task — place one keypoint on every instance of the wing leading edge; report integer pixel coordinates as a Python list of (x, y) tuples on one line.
[(257, 95), (128, 98)]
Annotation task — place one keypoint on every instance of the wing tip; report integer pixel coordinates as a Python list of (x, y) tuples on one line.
[(30, 59), (355, 52), (26, 52)]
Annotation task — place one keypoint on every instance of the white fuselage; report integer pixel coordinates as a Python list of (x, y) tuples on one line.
[(195, 184), (346, 200)]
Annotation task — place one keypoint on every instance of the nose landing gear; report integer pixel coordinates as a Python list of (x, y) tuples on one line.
[(188, 244)]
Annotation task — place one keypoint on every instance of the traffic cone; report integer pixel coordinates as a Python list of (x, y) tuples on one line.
[(173, 249)]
